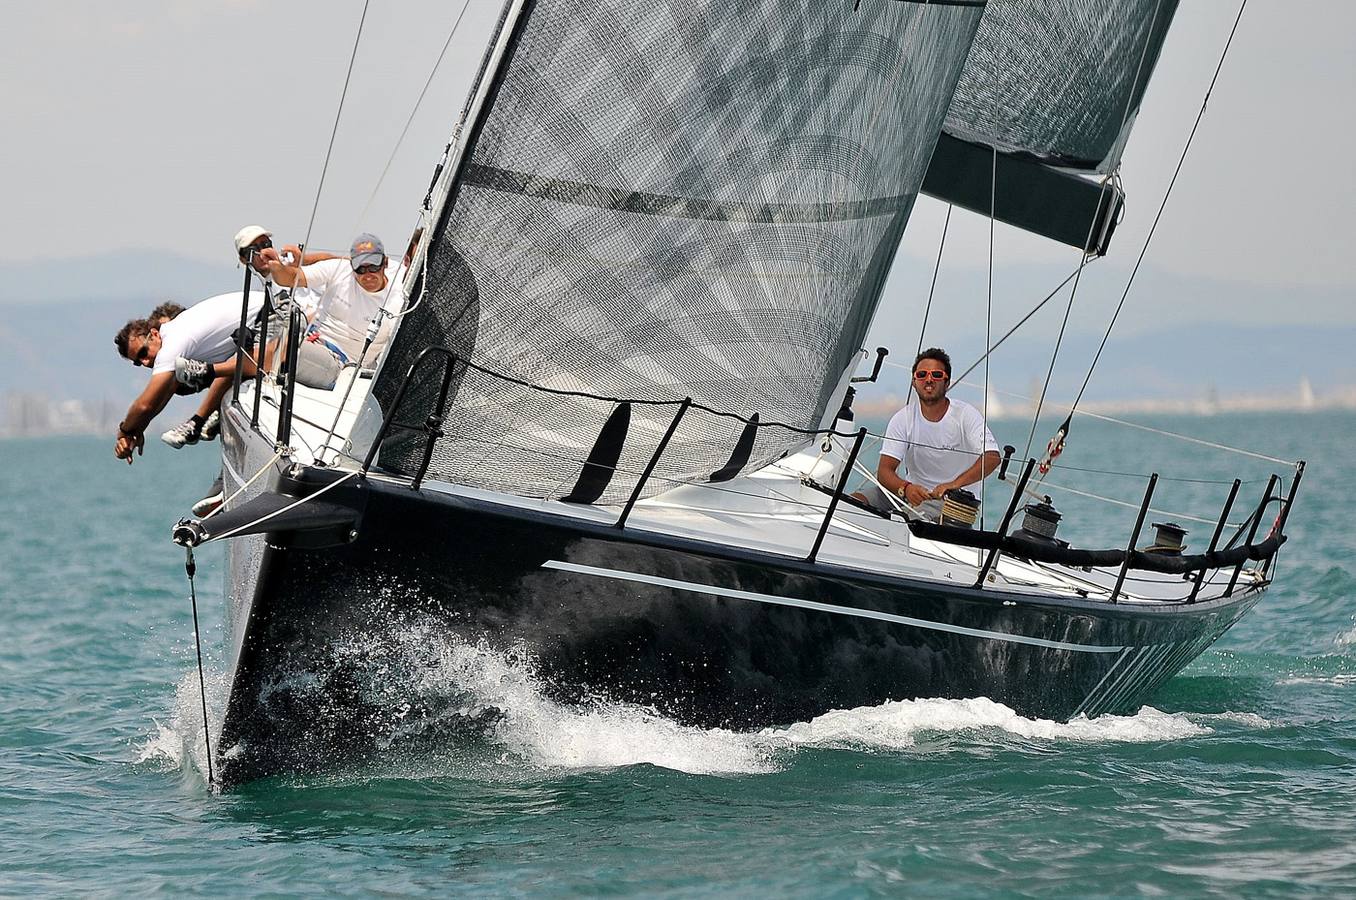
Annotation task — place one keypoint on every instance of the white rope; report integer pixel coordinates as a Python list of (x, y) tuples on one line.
[(290, 506), (253, 478)]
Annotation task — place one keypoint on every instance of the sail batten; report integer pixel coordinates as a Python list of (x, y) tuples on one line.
[(668, 200)]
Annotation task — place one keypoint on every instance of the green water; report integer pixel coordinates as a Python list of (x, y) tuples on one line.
[(1239, 780)]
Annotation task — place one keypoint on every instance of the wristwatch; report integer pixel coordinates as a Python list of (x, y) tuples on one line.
[(902, 491)]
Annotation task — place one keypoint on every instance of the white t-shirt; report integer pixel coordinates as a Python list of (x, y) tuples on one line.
[(204, 330), (341, 310), (933, 453)]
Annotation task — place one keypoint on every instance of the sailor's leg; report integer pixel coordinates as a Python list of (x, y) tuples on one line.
[(317, 366)]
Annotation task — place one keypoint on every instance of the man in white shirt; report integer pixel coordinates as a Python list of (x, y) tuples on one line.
[(937, 443), (349, 300), (203, 331)]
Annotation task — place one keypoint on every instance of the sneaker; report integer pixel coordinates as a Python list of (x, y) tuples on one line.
[(185, 433), (193, 373), (211, 428), (211, 501)]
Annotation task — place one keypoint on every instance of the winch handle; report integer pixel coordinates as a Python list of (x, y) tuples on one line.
[(881, 353), (1008, 450)]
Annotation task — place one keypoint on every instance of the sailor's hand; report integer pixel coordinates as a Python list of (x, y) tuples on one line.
[(940, 490), (915, 494), (292, 252), (127, 443), (266, 257)]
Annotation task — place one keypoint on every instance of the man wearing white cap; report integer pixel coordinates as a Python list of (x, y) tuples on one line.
[(254, 246)]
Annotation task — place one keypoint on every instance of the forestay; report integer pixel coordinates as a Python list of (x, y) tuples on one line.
[(662, 200)]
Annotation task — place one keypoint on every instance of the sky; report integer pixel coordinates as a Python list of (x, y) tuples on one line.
[(161, 126)]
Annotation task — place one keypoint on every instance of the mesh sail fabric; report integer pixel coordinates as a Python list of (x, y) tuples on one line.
[(668, 200), (1051, 78)]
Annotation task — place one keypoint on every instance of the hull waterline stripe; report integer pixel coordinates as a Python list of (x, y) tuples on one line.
[(826, 607), (1088, 700), (1106, 701)]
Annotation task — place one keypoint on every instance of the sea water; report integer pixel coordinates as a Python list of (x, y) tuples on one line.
[(1239, 778)]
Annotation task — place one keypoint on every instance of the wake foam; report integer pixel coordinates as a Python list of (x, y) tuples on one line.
[(180, 743), (898, 725), (420, 682)]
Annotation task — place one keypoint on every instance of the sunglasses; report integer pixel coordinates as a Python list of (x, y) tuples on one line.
[(262, 244), (369, 269), (934, 374)]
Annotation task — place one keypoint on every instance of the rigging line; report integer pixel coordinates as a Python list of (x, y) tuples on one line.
[(988, 331), (410, 121), (1166, 194), (927, 310), (338, 114), (1037, 308), (191, 568), (290, 506), (1087, 243)]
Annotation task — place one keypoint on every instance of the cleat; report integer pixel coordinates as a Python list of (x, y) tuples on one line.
[(179, 435), (211, 428), (193, 373)]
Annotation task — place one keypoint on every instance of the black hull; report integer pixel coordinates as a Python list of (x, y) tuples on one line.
[(706, 634)]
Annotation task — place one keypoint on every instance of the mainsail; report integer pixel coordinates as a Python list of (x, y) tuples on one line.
[(1051, 88), (661, 200)]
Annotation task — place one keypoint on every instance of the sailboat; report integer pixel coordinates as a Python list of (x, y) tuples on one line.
[(612, 431)]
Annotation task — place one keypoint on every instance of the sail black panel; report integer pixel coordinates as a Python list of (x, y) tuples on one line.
[(1053, 86), (672, 199), (1055, 79), (1041, 199)]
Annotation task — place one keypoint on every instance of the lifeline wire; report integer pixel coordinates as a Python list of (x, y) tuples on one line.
[(1152, 228), (927, 310), (338, 114), (1172, 434)]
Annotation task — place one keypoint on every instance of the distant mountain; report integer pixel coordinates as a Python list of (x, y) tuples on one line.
[(58, 318), (141, 275)]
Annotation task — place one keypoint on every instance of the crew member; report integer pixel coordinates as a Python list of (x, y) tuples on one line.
[(936, 444), (204, 331)]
